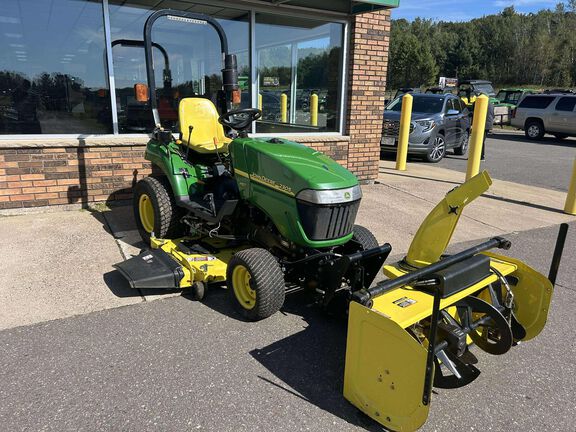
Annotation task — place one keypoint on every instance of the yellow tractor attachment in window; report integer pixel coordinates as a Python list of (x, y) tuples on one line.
[(414, 330)]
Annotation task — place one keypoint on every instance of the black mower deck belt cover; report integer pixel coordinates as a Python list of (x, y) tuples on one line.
[(152, 269)]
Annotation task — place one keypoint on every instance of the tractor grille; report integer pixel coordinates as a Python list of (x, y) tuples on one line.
[(392, 128), (327, 222)]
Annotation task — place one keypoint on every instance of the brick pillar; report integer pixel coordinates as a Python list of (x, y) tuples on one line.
[(368, 65)]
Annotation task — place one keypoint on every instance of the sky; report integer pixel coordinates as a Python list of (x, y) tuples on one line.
[(465, 10)]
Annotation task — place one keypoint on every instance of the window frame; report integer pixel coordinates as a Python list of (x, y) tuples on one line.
[(528, 98), (570, 98), (252, 10)]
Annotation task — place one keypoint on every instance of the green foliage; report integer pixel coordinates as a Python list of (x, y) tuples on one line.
[(507, 48)]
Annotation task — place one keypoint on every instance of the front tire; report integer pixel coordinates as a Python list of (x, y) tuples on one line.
[(437, 149), (534, 129), (365, 237), (155, 210), (255, 284)]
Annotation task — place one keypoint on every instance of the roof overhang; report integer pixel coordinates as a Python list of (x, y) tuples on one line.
[(339, 6)]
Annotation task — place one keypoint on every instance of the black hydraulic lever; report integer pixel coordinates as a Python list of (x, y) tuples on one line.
[(190, 128), (558, 250)]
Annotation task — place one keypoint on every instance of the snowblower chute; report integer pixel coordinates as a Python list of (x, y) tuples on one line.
[(414, 330)]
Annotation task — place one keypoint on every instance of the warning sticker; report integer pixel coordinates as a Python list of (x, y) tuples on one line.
[(404, 302)]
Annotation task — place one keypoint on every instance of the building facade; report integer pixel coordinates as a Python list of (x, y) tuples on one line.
[(72, 130)]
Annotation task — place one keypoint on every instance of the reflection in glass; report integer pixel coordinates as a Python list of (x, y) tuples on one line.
[(53, 77), (194, 60), (296, 59)]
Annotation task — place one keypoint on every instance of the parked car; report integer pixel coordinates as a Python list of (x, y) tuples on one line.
[(559, 91), (439, 123), (509, 97), (538, 115), (438, 90), (468, 90), (403, 90)]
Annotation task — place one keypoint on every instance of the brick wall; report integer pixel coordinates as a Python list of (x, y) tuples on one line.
[(370, 37), (43, 175)]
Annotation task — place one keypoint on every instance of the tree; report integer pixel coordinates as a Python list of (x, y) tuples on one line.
[(507, 48)]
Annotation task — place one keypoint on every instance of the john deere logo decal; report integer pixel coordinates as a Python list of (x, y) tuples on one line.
[(347, 195)]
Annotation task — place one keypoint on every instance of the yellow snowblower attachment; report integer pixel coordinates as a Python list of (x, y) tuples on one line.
[(414, 330)]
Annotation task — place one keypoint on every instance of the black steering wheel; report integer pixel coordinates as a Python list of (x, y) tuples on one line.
[(240, 119)]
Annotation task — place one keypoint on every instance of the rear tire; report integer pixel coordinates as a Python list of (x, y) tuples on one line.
[(365, 237), (534, 129), (462, 149), (155, 209), (255, 284)]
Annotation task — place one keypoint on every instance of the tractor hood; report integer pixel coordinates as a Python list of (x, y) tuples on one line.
[(310, 198), (288, 165)]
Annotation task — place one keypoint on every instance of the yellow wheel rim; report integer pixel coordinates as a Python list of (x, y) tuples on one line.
[(241, 284), (146, 210)]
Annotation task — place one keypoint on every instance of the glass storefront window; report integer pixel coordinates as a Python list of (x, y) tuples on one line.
[(193, 55), (297, 58), (53, 77)]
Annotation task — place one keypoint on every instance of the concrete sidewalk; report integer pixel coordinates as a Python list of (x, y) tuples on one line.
[(59, 264), (394, 207)]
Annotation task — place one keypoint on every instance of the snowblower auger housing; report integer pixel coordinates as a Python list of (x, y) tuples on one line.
[(406, 332)]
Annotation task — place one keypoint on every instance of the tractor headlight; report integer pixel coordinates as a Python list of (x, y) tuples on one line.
[(426, 125), (335, 196)]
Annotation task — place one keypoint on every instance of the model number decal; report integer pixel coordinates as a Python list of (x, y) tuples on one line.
[(273, 184), (404, 302)]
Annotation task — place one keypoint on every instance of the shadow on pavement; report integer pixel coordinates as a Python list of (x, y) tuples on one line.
[(547, 140), (523, 203), (390, 172), (310, 364)]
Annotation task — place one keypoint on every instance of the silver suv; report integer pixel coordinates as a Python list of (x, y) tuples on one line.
[(546, 114), (439, 122)]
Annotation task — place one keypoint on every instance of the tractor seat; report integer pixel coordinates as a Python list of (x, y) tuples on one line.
[(208, 134)]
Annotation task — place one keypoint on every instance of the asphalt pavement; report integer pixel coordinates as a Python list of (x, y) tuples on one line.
[(176, 364), (511, 156), (101, 357)]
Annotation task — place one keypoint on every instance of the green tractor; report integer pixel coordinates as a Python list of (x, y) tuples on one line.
[(510, 97), (275, 215), (270, 217)]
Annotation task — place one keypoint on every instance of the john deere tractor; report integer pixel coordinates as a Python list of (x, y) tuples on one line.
[(270, 217), (266, 215)]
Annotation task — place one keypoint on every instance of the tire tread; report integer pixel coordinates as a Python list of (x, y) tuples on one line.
[(268, 282)]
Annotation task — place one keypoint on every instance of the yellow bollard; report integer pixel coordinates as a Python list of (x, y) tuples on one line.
[(570, 207), (284, 107), (260, 101), (477, 138), (314, 109), (405, 121)]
